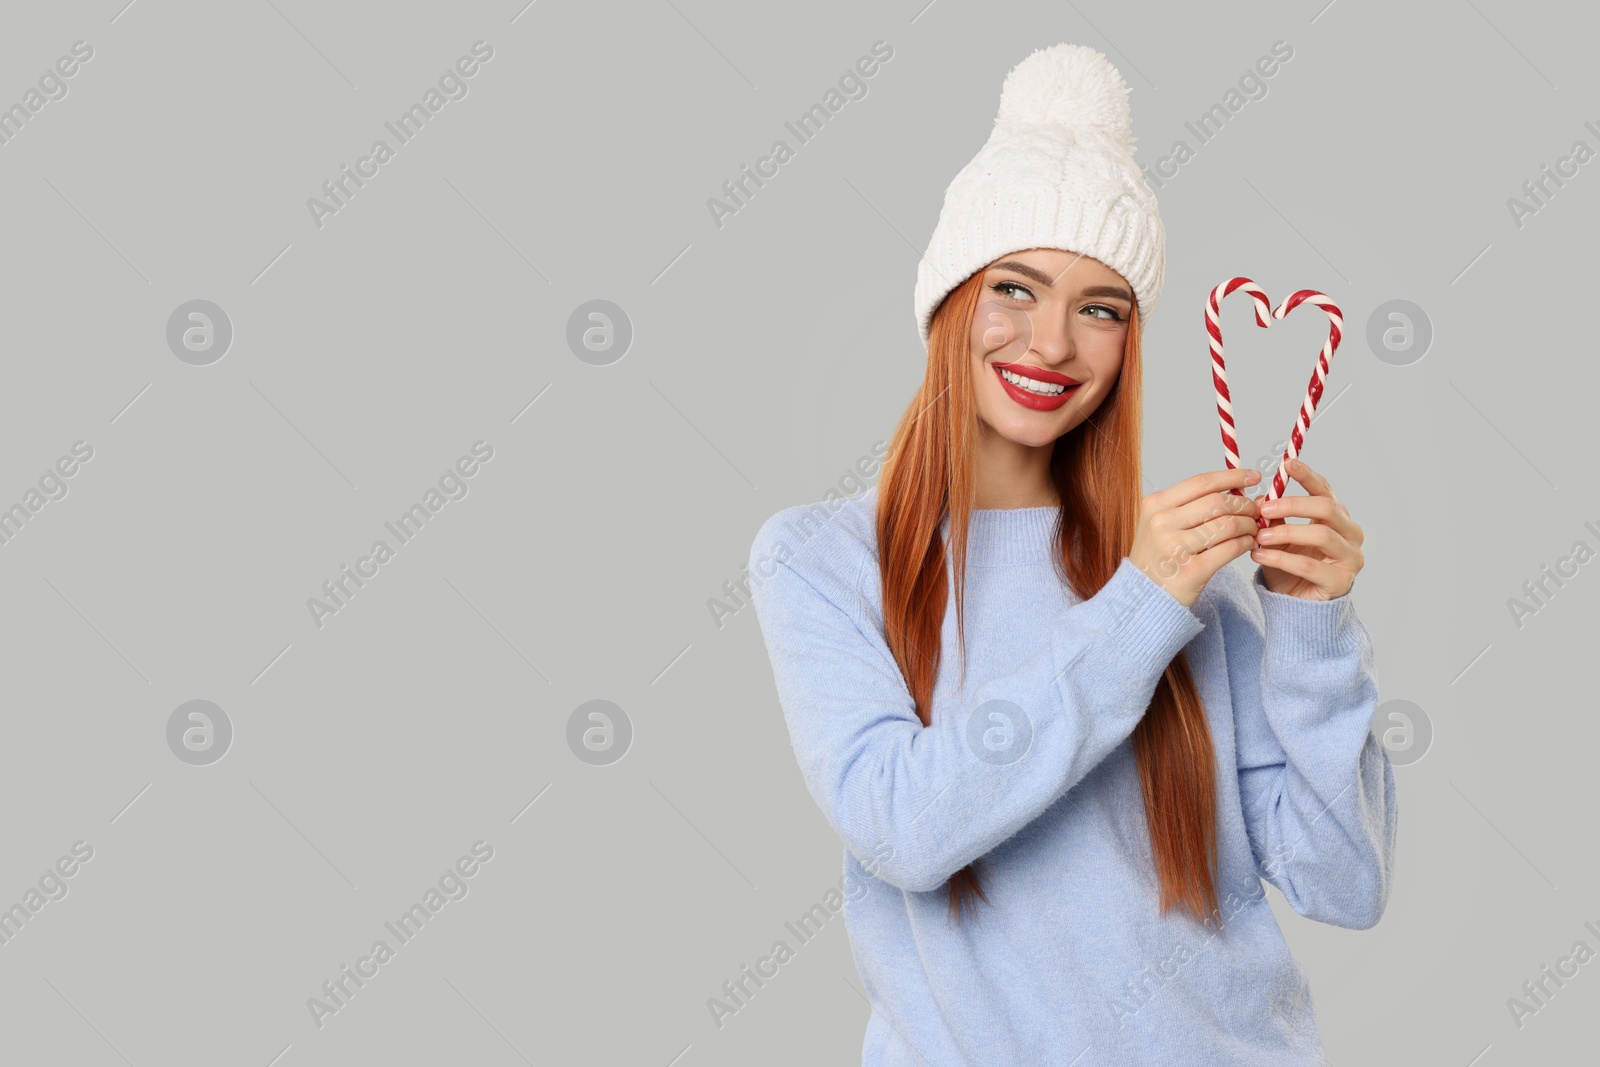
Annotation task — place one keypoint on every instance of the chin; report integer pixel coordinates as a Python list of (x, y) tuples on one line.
[(1034, 433)]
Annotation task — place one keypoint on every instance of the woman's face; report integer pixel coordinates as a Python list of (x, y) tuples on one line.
[(1057, 319)]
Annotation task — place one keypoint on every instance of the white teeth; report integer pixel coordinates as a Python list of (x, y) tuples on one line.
[(1032, 386)]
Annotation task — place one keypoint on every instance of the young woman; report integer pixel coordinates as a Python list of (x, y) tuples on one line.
[(1059, 799)]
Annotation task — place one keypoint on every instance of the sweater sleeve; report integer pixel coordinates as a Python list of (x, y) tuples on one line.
[(1317, 788), (919, 803)]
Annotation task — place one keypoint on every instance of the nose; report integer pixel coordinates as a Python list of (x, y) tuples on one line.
[(1052, 337)]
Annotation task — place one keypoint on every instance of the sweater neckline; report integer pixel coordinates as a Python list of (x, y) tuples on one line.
[(1008, 535)]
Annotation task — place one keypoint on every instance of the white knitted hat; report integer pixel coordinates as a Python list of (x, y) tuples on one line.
[(1056, 172)]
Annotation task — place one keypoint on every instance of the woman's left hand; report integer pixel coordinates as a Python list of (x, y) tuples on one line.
[(1316, 560)]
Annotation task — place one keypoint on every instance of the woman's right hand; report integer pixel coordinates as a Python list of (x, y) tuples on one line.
[(1190, 531)]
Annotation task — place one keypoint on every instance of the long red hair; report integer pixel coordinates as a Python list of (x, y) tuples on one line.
[(929, 472)]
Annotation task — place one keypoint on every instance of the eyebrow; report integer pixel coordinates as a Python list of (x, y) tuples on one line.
[(1045, 280)]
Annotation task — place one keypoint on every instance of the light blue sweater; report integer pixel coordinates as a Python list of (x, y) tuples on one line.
[(1070, 962)]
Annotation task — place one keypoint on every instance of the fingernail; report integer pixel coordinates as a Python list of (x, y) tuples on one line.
[(1269, 507)]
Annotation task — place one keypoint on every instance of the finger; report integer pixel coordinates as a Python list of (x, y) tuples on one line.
[(1211, 506), (1224, 552), (1226, 527), (1321, 509), (1200, 484), (1311, 534), (1331, 580), (1314, 482)]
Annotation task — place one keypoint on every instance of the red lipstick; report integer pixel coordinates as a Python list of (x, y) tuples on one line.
[(1029, 399)]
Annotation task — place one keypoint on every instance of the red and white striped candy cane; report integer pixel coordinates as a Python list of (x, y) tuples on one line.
[(1319, 374)]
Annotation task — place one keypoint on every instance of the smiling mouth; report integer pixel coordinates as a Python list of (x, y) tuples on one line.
[(1034, 385), (1038, 389)]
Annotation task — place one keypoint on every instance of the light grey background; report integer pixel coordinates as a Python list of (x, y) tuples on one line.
[(768, 356)]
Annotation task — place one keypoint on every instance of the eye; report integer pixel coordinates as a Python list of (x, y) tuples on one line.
[(1115, 315), (1006, 288)]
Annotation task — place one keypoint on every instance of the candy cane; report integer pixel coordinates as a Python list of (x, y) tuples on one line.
[(1319, 374)]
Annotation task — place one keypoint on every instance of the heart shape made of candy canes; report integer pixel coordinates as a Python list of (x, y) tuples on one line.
[(1319, 373)]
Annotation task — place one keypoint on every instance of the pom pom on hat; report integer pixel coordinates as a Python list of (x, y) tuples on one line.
[(1067, 85), (1057, 171)]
